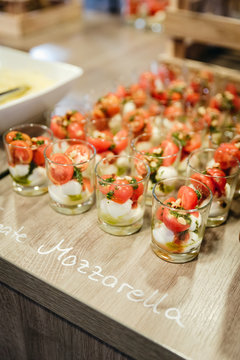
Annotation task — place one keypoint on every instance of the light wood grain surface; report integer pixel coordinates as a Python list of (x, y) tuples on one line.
[(115, 287)]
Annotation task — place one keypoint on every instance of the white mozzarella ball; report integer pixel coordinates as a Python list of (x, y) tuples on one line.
[(19, 170), (195, 222), (109, 169), (115, 122), (216, 209), (56, 194), (165, 172), (71, 188), (122, 162), (143, 146), (163, 235), (38, 176), (114, 209), (128, 106)]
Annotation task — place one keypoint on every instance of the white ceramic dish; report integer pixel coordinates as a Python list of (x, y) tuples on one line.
[(31, 106)]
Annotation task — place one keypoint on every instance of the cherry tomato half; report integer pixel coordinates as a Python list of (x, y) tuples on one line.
[(174, 223), (137, 188), (120, 141), (188, 197), (79, 153), (21, 152), (102, 142), (104, 186), (59, 131), (58, 173), (206, 180), (38, 153), (218, 178), (169, 149), (159, 213), (17, 135), (76, 130), (226, 155), (120, 191)]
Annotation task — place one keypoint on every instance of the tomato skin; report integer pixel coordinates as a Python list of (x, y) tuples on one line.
[(146, 80), (194, 143), (87, 185), (79, 153), (58, 130), (139, 191), (169, 148), (110, 104), (206, 180), (103, 142), (76, 131), (159, 213), (14, 135), (120, 141), (218, 178), (188, 196), (226, 155), (121, 191), (231, 88), (59, 174), (21, 152), (135, 119), (172, 223), (38, 154), (138, 95), (104, 187)]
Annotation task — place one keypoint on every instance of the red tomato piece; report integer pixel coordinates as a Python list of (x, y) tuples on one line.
[(159, 213), (120, 191), (17, 135), (206, 180), (21, 152), (105, 183), (38, 154), (226, 155), (120, 141), (138, 95), (135, 119), (188, 196), (218, 178), (102, 142), (174, 223), (193, 143), (76, 130), (78, 154), (59, 131), (87, 185), (169, 149), (137, 188), (110, 104), (58, 173)]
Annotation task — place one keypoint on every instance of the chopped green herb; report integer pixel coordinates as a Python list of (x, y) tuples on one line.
[(199, 195), (108, 180), (134, 182), (18, 136), (78, 175), (131, 118), (112, 147), (40, 142), (110, 195)]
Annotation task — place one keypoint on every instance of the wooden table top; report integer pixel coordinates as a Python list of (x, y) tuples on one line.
[(115, 287)]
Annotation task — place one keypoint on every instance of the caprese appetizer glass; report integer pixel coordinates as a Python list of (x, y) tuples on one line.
[(121, 192), (161, 154), (70, 169), (24, 145), (67, 124), (219, 170), (108, 136), (179, 216)]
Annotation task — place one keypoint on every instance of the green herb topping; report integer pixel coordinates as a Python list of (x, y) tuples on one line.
[(78, 175)]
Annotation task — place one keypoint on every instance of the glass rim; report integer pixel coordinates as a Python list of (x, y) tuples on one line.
[(182, 210), (133, 146), (126, 156), (208, 175), (72, 140), (22, 126)]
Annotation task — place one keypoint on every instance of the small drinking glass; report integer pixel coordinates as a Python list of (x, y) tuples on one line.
[(24, 145), (222, 182), (179, 216), (70, 169), (121, 185), (161, 154)]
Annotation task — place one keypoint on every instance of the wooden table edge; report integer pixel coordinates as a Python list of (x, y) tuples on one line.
[(90, 320)]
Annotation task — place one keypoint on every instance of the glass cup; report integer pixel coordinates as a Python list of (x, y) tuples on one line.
[(178, 221), (160, 154), (221, 181), (121, 185), (24, 145), (70, 169)]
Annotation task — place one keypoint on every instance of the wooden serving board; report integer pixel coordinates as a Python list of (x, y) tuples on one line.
[(116, 288)]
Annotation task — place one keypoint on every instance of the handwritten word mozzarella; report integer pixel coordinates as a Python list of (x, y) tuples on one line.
[(94, 273)]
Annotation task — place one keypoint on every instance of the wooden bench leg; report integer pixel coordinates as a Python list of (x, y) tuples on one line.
[(179, 48)]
